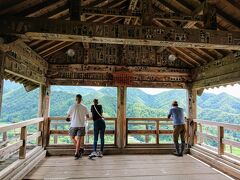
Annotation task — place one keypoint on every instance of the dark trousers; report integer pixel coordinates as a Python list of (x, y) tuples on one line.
[(99, 127)]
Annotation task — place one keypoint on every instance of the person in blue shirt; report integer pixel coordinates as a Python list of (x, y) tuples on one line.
[(177, 115)]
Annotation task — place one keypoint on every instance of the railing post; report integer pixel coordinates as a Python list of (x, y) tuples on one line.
[(23, 137), (157, 129), (220, 138), (55, 136), (146, 136), (201, 137), (194, 130)]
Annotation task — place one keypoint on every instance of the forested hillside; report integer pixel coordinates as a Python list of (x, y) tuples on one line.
[(19, 105)]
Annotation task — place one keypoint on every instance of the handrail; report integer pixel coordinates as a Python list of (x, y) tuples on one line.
[(214, 123), (219, 136), (148, 119), (60, 118), (21, 144), (8, 127)]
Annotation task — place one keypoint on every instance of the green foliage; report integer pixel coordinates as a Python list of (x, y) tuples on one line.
[(19, 105)]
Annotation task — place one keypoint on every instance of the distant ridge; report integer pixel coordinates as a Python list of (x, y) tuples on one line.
[(19, 105)]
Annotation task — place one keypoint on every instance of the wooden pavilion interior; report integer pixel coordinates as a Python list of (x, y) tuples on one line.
[(182, 44)]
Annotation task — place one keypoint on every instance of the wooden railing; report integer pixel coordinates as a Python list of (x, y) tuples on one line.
[(18, 138), (222, 130), (55, 123), (149, 127), (24, 138)]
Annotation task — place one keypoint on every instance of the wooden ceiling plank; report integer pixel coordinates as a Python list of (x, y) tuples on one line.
[(43, 46), (234, 22), (181, 57), (234, 3), (62, 46), (186, 54), (169, 6), (30, 12), (49, 13), (56, 44)]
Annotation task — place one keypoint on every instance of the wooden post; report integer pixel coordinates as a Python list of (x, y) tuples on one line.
[(157, 129), (192, 114), (146, 136), (2, 60), (55, 136), (201, 137), (23, 137), (40, 113), (45, 94), (121, 117), (220, 138)]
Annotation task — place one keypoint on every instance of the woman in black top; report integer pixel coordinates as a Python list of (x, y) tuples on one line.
[(99, 127)]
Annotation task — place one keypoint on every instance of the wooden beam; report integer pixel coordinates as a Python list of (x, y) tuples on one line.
[(62, 30), (219, 72), (102, 75)]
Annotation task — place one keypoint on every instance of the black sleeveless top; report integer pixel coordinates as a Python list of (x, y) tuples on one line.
[(95, 115)]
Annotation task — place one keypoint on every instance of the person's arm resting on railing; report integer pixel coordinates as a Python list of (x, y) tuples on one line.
[(170, 114), (70, 111)]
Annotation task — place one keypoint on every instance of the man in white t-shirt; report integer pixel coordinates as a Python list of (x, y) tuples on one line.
[(77, 114)]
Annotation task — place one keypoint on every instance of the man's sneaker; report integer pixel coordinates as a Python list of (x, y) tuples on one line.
[(100, 154), (76, 156), (93, 154), (81, 152)]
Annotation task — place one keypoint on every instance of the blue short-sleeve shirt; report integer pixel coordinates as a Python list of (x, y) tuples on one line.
[(177, 115)]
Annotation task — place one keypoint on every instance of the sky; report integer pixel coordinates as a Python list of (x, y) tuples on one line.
[(232, 90)]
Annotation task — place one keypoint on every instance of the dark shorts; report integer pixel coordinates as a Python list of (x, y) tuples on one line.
[(77, 131)]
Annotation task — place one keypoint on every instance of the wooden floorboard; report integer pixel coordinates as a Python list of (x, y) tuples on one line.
[(123, 167)]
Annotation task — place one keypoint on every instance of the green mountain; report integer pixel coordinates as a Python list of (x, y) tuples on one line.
[(19, 105)]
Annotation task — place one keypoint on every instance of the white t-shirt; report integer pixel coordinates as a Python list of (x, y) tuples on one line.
[(78, 114)]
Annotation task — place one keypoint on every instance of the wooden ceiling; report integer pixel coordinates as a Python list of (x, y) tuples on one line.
[(228, 18)]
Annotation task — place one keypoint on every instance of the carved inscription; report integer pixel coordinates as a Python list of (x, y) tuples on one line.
[(119, 34)]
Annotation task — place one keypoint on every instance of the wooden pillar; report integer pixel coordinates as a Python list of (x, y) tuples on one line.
[(192, 114), (74, 9), (2, 60), (210, 15), (121, 117), (44, 111), (147, 13), (23, 137), (220, 138)]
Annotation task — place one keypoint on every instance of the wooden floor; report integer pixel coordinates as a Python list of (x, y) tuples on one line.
[(123, 167)]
